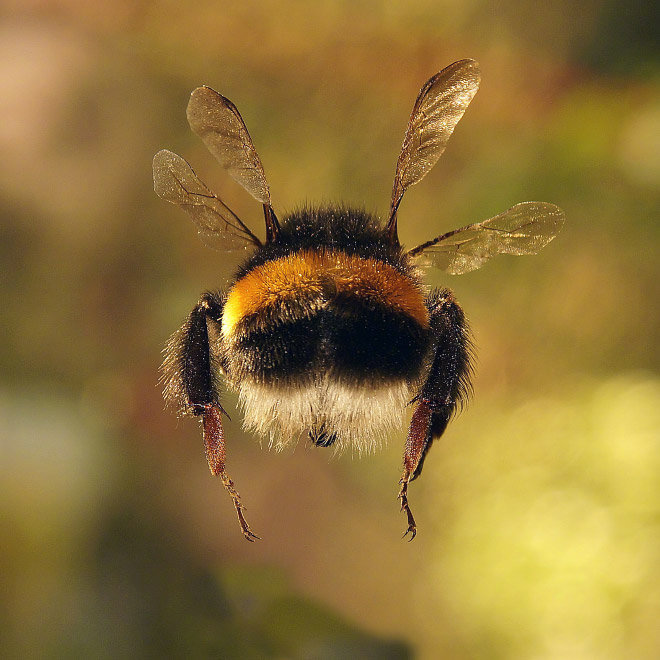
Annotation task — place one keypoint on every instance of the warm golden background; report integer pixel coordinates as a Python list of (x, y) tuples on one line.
[(538, 511)]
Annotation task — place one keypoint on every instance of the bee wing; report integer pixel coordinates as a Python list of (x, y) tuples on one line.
[(438, 108), (523, 229), (218, 226), (222, 129)]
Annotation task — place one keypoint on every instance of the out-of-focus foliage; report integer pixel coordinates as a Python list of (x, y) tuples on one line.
[(538, 511)]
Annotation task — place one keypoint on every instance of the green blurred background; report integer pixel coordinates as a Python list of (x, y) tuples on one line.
[(539, 510)]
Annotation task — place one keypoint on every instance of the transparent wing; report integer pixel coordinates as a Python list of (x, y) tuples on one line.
[(218, 226), (217, 121), (524, 229), (438, 108)]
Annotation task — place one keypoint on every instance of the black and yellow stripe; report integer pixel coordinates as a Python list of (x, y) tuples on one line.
[(321, 275), (291, 317)]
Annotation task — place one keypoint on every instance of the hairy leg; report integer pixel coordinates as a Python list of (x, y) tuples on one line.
[(189, 372), (446, 387)]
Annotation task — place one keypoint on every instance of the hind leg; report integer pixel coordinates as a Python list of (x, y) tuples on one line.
[(188, 372), (446, 387)]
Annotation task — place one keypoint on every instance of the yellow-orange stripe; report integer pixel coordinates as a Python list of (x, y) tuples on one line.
[(314, 276)]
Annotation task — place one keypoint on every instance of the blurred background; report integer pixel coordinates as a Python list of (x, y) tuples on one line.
[(539, 510)]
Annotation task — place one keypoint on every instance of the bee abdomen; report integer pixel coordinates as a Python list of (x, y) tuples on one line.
[(346, 338), (325, 312)]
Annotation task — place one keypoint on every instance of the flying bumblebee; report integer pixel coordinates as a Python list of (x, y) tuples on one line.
[(326, 331)]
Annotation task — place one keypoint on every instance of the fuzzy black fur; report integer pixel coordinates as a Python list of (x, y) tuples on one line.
[(353, 231), (355, 342), (190, 367), (448, 384)]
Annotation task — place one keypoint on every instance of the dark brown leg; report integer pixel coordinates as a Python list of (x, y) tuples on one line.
[(214, 443), (415, 444)]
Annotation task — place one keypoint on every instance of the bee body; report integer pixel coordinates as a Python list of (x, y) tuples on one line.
[(309, 327), (326, 331)]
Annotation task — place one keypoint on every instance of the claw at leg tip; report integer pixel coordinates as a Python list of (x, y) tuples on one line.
[(412, 531)]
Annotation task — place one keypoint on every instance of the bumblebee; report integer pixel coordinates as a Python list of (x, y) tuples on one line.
[(327, 331)]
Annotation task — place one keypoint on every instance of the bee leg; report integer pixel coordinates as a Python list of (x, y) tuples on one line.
[(214, 443), (446, 387), (188, 373), (416, 441)]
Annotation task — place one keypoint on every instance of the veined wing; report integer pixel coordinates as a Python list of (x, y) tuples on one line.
[(523, 229), (438, 108), (218, 226), (220, 126)]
